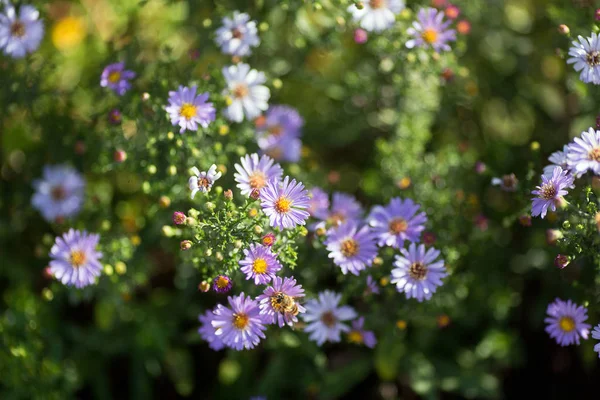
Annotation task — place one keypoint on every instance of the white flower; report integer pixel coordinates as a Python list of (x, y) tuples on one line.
[(203, 181), (20, 34), (377, 15), (585, 57), (237, 35), (245, 88)]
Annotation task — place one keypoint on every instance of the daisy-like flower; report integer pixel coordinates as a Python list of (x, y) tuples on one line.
[(279, 121), (566, 322), (324, 317), (20, 34), (359, 335), (203, 181), (372, 287), (59, 193), (508, 183), (583, 153), (397, 222), (208, 332), (417, 272), (189, 110), (238, 35), (550, 192), (558, 159), (285, 203), (281, 148), (351, 248), (222, 284), (75, 260), (260, 264), (318, 205), (279, 303), (376, 15), (240, 325), (255, 173), (596, 335), (116, 78), (344, 208), (246, 92), (585, 57), (430, 30)]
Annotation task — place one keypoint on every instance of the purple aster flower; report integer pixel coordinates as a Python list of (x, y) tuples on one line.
[(203, 181), (376, 15), (237, 35), (75, 259), (596, 335), (397, 222), (246, 91), (324, 317), (344, 208), (558, 159), (116, 78), (372, 287), (20, 34), (566, 322), (318, 205), (279, 303), (285, 203), (585, 57), (208, 332), (189, 110), (550, 192), (351, 248), (255, 172), (240, 325), (222, 284), (279, 121), (359, 335), (59, 193), (417, 272), (508, 183), (583, 153), (430, 30), (260, 264), (281, 148), (115, 117)]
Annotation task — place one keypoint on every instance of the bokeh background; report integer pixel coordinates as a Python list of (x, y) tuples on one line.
[(379, 122)]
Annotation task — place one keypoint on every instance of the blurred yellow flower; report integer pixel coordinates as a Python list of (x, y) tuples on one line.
[(68, 33)]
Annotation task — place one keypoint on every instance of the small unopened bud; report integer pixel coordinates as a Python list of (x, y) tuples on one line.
[(191, 221), (359, 5), (525, 220), (303, 231), (238, 244), (120, 267), (597, 14), (253, 212), (447, 74), (443, 321), (563, 29), (114, 117), (204, 286), (401, 324), (562, 261), (164, 201), (145, 96), (360, 36), (377, 261), (480, 167), (185, 245), (255, 194), (258, 229), (219, 256), (463, 27), (320, 231), (119, 156), (179, 218), (210, 206), (384, 281), (208, 252), (452, 11), (429, 238), (268, 240), (228, 194)]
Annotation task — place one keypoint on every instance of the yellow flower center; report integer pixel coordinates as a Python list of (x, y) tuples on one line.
[(240, 91), (283, 205), (349, 248), (222, 282), (258, 180), (17, 29), (417, 271), (188, 111), (595, 153), (548, 191), (355, 337), (398, 225), (567, 324), (259, 266), (336, 219), (328, 319), (204, 182), (429, 35), (114, 77), (378, 4), (78, 258), (240, 321)]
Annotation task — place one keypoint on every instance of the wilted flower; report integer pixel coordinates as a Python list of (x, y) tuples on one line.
[(561, 261), (259, 264), (245, 88), (417, 272), (75, 260), (239, 326), (376, 15), (222, 284), (359, 335), (189, 110), (585, 57), (430, 30), (566, 322), (20, 34), (59, 193), (397, 222), (550, 191), (351, 248), (254, 173), (324, 317), (278, 303), (237, 35), (203, 181), (583, 153), (285, 203), (207, 331), (508, 183), (116, 78)]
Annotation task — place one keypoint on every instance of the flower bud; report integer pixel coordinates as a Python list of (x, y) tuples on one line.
[(320, 231), (208, 252), (164, 202), (79, 147), (114, 117), (238, 244), (525, 220), (191, 221), (253, 212), (185, 245), (401, 324), (463, 27), (443, 320), (255, 194), (480, 167), (228, 194), (204, 286), (219, 256), (359, 5), (193, 213), (597, 14), (179, 218), (120, 267), (377, 261), (563, 29), (268, 240), (258, 229), (429, 238), (452, 11), (561, 261), (209, 206), (552, 236), (119, 156), (360, 36)]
